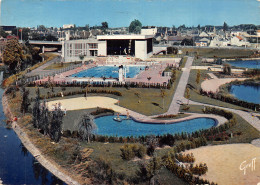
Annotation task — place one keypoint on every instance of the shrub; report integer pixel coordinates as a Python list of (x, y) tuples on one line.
[(129, 151)]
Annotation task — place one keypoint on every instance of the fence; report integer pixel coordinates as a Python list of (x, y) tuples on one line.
[(49, 73)]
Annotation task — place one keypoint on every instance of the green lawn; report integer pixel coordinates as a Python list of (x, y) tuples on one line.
[(57, 66), (110, 152)]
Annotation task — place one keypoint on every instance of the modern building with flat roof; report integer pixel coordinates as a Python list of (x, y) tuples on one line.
[(139, 46)]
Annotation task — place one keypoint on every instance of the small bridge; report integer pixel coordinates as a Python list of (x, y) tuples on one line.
[(49, 46), (159, 49)]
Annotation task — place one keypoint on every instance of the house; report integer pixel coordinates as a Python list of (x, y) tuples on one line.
[(219, 41), (203, 34), (239, 41), (202, 42)]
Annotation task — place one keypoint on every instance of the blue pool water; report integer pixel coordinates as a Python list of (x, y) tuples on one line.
[(107, 126), (247, 93), (108, 71), (254, 64)]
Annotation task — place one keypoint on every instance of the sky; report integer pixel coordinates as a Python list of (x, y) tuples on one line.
[(118, 13)]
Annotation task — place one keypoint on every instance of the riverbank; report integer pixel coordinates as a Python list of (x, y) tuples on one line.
[(48, 163)]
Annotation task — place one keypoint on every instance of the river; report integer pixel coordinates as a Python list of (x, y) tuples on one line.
[(17, 165)]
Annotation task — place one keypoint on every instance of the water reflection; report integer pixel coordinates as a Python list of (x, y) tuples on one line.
[(17, 165), (24, 150), (41, 173)]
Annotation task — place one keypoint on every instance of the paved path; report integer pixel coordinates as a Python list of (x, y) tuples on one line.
[(40, 70), (180, 90)]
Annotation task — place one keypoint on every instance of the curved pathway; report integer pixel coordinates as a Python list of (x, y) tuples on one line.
[(213, 84)]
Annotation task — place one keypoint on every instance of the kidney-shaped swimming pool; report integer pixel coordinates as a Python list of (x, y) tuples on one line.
[(106, 125)]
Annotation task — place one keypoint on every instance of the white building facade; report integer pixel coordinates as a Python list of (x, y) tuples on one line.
[(139, 46), (78, 50)]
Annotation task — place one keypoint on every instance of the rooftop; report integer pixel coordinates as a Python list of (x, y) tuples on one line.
[(120, 37)]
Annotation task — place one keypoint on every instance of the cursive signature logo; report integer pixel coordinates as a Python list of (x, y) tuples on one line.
[(244, 165)]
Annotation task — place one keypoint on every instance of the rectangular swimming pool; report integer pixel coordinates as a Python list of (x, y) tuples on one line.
[(109, 72)]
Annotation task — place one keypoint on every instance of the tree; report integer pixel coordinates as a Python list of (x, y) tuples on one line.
[(87, 27), (135, 26), (198, 77), (86, 126), (227, 69), (163, 94), (50, 37), (225, 27), (22, 33), (45, 113), (187, 94), (41, 28), (14, 55), (36, 36), (152, 167), (3, 33), (25, 100), (56, 123), (36, 110), (187, 42), (104, 26), (172, 50), (138, 96), (198, 27)]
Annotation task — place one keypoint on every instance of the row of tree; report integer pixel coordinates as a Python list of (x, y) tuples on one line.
[(48, 122)]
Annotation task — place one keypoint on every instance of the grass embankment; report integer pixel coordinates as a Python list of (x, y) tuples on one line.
[(248, 132), (195, 96), (10, 80), (213, 52), (220, 52)]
